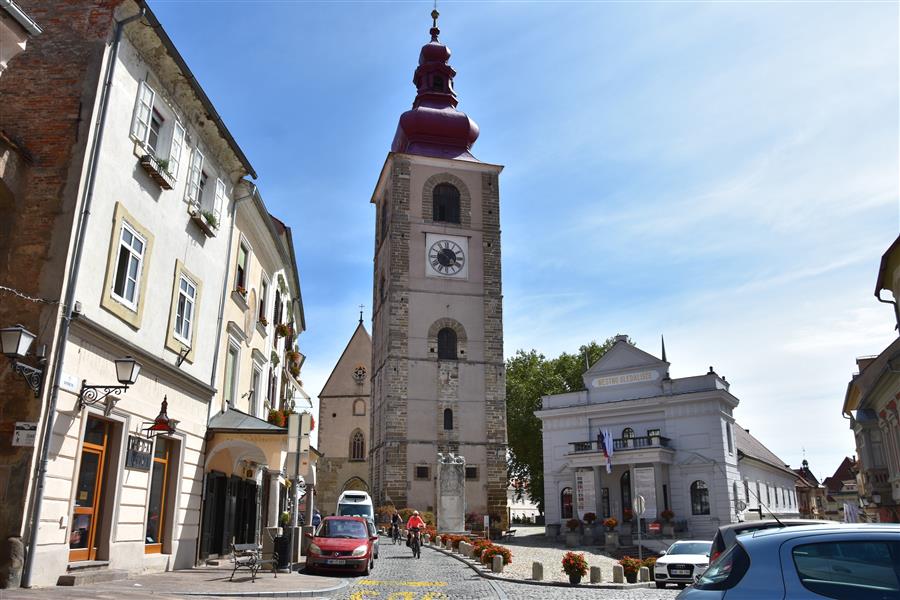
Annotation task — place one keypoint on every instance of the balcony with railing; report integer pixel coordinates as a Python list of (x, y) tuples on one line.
[(874, 482), (623, 444)]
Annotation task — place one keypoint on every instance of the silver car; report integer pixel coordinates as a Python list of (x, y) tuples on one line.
[(845, 561)]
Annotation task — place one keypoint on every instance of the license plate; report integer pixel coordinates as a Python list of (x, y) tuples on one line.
[(680, 572), (337, 561)]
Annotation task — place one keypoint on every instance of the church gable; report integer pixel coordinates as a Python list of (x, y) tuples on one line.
[(350, 376)]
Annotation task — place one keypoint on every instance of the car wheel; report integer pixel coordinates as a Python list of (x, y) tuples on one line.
[(660, 585), (681, 586), (366, 570)]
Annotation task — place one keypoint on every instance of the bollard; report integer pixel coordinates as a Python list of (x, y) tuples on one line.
[(644, 574), (537, 571), (463, 548), (618, 574), (426, 538), (596, 575), (497, 563)]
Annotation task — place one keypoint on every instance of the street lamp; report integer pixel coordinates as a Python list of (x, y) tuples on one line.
[(127, 370), (14, 343), (162, 424)]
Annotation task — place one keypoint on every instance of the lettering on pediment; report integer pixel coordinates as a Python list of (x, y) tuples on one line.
[(611, 380)]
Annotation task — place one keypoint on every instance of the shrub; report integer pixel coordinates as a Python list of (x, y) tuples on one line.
[(385, 512), (428, 517), (610, 523), (406, 513), (630, 565), (573, 524), (493, 550), (649, 562), (589, 517), (574, 564), (480, 546)]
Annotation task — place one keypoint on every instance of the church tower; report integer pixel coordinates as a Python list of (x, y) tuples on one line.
[(437, 334)]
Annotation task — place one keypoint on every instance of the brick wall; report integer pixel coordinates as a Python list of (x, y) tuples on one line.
[(49, 94)]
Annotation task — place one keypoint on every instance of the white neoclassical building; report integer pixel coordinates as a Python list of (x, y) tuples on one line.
[(674, 441)]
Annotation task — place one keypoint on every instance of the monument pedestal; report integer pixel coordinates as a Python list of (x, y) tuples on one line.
[(451, 505)]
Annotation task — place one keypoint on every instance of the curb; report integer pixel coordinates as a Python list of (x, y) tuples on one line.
[(272, 594), (596, 586)]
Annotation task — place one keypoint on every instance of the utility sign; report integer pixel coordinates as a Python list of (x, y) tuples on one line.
[(24, 434), (639, 505)]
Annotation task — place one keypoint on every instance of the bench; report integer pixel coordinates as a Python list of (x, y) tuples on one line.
[(250, 557), (508, 535)]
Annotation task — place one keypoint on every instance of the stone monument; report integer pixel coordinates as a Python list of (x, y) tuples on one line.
[(451, 505)]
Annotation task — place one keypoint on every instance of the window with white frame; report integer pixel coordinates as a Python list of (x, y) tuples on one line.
[(240, 275), (231, 371), (219, 199), (184, 311), (263, 300), (129, 260), (154, 131), (195, 174), (254, 390)]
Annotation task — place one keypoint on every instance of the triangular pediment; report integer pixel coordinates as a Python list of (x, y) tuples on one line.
[(624, 364), (358, 353)]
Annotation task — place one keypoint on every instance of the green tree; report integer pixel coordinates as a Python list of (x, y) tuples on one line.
[(529, 376)]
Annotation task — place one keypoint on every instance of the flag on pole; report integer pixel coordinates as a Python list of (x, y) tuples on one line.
[(607, 449)]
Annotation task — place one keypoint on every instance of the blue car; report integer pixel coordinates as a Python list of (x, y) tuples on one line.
[(844, 561)]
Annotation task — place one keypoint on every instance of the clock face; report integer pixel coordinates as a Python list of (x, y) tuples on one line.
[(446, 257)]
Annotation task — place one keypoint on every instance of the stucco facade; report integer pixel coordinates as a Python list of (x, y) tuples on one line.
[(674, 441)]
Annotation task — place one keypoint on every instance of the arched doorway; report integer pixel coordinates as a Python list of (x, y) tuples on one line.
[(355, 484)]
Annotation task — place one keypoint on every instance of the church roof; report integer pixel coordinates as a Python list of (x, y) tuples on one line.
[(844, 472), (751, 447), (434, 127), (359, 341)]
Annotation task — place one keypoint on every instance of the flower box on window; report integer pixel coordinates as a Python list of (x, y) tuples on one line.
[(157, 169), (205, 220)]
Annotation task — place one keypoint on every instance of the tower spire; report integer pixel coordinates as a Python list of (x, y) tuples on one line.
[(663, 338), (435, 32)]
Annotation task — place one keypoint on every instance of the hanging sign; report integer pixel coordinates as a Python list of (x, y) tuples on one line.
[(24, 433), (138, 456)]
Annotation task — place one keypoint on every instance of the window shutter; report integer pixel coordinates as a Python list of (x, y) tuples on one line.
[(142, 113), (220, 198), (176, 149), (193, 186)]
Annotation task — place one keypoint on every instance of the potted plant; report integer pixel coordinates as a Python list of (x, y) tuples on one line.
[(589, 519), (575, 566), (488, 554), (650, 563), (631, 566), (572, 537), (612, 538), (277, 417), (273, 358), (263, 321), (241, 290), (668, 528), (282, 330)]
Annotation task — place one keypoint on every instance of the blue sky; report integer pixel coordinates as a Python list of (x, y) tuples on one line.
[(725, 174)]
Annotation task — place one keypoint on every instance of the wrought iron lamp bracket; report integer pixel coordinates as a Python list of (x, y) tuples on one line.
[(91, 395), (32, 375)]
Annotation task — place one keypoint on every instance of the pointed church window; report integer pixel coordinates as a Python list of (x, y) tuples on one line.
[(445, 202), (446, 344), (357, 446)]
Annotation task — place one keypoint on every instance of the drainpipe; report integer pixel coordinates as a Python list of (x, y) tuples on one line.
[(896, 308), (69, 304)]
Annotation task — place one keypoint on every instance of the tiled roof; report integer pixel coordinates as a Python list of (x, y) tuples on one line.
[(752, 447)]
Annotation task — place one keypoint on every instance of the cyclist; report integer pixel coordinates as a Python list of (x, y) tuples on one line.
[(414, 523), (396, 521)]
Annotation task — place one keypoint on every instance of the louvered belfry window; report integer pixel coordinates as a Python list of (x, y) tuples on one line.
[(445, 203)]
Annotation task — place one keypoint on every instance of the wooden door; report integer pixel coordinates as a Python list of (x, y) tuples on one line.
[(86, 514), (156, 507)]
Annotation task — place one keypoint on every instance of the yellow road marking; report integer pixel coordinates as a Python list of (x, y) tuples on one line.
[(363, 594), (404, 583)]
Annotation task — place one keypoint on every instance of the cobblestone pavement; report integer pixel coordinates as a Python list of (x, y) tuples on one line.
[(398, 576)]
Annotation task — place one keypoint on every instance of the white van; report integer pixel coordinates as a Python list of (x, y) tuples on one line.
[(355, 504)]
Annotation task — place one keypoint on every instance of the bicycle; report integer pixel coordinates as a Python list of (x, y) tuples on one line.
[(415, 543), (395, 533)]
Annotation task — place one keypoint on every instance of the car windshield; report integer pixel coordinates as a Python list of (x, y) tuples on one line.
[(354, 510), (342, 528), (690, 548)]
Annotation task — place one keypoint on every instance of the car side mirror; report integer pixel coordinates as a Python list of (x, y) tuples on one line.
[(308, 535), (663, 553), (374, 538)]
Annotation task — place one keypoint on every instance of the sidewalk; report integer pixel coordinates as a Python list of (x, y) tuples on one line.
[(194, 583)]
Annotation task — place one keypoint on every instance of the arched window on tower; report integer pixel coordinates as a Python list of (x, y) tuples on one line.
[(565, 503), (448, 419), (357, 446), (445, 203), (699, 498), (446, 340)]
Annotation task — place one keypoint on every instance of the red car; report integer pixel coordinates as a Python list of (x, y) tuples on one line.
[(341, 543)]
